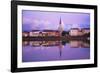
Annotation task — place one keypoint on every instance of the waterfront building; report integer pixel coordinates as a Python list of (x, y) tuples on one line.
[(25, 34), (79, 32), (74, 32), (34, 33), (86, 30)]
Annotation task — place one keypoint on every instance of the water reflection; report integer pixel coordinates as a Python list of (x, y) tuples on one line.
[(55, 50), (72, 43)]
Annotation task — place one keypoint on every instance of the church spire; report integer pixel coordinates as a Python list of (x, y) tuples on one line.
[(60, 21), (60, 28)]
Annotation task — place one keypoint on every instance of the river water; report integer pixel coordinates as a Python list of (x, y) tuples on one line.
[(35, 51)]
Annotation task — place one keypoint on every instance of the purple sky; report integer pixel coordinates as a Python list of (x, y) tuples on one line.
[(39, 20)]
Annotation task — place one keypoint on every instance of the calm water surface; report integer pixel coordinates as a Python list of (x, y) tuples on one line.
[(33, 51)]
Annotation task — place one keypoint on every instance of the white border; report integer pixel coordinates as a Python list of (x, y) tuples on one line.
[(53, 63)]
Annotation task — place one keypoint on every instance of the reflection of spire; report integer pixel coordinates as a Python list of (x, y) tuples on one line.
[(60, 47), (60, 51)]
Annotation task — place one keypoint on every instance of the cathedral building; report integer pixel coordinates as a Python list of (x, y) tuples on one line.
[(60, 27)]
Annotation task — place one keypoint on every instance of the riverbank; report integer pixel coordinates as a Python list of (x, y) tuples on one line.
[(55, 38)]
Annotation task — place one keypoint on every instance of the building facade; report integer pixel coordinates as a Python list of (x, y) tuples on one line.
[(25, 34), (79, 32), (74, 32)]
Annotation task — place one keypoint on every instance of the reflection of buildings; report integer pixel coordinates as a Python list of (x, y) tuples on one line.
[(77, 44), (25, 43), (79, 32), (72, 43), (44, 43)]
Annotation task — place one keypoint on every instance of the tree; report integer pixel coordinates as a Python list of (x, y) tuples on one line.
[(64, 33)]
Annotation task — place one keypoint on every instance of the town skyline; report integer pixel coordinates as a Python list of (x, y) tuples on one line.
[(35, 20)]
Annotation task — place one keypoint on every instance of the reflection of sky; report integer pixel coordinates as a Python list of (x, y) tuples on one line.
[(31, 54), (36, 20)]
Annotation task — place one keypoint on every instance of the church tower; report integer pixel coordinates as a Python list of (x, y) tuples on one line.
[(60, 27)]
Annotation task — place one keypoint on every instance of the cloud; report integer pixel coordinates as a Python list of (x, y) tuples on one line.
[(37, 21), (75, 25), (40, 24)]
